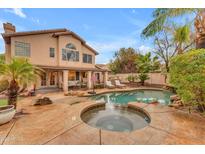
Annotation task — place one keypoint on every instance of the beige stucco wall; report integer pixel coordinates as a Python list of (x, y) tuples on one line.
[(63, 40), (40, 45)]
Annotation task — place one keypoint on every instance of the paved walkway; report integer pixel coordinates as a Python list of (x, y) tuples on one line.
[(60, 123)]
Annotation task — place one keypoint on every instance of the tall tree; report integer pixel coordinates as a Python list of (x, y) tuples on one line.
[(169, 42), (124, 61), (18, 72), (162, 16)]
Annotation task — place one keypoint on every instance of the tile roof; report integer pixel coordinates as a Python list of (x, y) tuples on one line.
[(33, 32), (56, 33)]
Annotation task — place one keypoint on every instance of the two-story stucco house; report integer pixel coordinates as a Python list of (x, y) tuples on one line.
[(63, 55)]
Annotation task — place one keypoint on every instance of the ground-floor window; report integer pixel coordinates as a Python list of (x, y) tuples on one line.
[(71, 75), (97, 75), (53, 78), (77, 75), (43, 79)]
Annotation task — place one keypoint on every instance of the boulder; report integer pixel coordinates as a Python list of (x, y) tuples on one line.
[(69, 93), (80, 94), (43, 101), (174, 98), (176, 106)]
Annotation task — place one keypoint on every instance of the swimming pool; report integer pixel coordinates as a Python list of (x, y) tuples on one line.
[(145, 96)]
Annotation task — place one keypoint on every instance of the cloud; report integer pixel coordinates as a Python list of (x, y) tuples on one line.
[(86, 26), (1, 39), (133, 11), (114, 44), (1, 28), (37, 21), (145, 49), (17, 11)]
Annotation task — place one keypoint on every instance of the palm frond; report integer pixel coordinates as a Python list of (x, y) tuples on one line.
[(161, 16)]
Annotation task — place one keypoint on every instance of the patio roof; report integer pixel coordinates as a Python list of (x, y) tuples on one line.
[(72, 68)]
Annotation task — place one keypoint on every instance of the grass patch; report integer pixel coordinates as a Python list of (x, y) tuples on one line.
[(3, 102)]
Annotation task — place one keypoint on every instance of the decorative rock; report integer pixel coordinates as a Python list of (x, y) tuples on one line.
[(176, 106), (179, 102), (43, 101), (154, 101), (69, 93), (80, 94), (174, 98)]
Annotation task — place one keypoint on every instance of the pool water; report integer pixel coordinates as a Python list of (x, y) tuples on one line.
[(145, 96)]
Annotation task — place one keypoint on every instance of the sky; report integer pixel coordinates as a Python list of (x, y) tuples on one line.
[(106, 30)]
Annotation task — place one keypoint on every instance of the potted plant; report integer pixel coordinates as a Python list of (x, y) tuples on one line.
[(6, 113)]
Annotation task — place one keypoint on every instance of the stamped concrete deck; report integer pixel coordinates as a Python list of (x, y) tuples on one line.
[(60, 123)]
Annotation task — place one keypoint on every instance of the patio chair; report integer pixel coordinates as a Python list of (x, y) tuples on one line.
[(118, 84), (71, 84), (109, 84)]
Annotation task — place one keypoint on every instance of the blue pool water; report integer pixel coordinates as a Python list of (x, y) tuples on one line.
[(145, 96)]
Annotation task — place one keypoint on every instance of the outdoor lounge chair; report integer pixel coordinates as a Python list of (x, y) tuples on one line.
[(109, 84), (118, 84)]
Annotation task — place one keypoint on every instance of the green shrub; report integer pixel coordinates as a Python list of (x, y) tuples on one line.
[(131, 78), (143, 77), (187, 74), (3, 85)]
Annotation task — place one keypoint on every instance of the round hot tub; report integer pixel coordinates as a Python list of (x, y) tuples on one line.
[(112, 118)]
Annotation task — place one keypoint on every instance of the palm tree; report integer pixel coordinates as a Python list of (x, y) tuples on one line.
[(181, 38), (146, 64), (163, 16), (18, 72)]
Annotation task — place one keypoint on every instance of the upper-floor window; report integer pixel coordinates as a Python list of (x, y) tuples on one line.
[(87, 58), (70, 53), (70, 46), (22, 49), (52, 52)]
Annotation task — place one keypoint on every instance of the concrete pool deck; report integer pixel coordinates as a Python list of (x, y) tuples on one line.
[(60, 123)]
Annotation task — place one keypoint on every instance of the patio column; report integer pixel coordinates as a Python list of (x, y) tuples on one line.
[(60, 79), (47, 78), (89, 84), (65, 80), (105, 77)]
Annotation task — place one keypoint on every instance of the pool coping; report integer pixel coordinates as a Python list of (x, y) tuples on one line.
[(102, 104), (123, 90)]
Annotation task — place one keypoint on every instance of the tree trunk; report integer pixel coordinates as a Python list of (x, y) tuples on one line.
[(167, 71), (13, 93)]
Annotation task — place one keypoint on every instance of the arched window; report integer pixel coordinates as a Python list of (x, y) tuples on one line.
[(70, 53), (70, 46)]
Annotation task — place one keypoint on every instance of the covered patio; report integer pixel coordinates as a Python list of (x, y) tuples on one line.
[(67, 78)]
